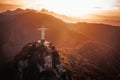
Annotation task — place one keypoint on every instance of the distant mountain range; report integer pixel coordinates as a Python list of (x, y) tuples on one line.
[(62, 17), (99, 44), (24, 24), (18, 11), (20, 27), (44, 11)]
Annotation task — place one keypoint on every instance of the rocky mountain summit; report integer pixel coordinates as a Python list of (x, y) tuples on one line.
[(40, 61)]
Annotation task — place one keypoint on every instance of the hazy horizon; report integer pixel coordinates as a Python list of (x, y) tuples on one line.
[(96, 11)]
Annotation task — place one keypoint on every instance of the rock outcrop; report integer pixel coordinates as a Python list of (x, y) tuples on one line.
[(40, 61)]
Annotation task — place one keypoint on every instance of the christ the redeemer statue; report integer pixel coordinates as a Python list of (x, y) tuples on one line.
[(42, 29)]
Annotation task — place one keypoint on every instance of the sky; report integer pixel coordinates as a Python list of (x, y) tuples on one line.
[(102, 10)]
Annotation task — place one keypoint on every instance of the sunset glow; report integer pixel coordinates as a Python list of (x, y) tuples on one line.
[(71, 7), (76, 8), (100, 11)]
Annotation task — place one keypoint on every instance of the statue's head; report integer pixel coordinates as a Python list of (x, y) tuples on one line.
[(39, 41)]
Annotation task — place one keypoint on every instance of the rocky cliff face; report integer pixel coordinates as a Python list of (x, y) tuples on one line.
[(40, 61)]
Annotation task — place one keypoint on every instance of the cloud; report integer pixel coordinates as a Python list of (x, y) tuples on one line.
[(4, 7), (96, 7), (109, 17), (117, 5)]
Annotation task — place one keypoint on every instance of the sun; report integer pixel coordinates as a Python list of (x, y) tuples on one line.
[(76, 8)]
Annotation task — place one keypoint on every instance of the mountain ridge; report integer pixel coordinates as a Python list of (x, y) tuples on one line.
[(20, 22), (90, 50)]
